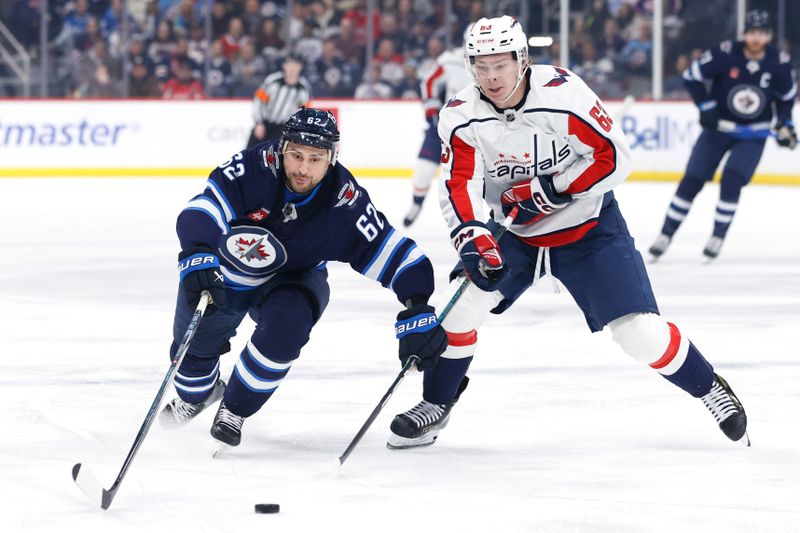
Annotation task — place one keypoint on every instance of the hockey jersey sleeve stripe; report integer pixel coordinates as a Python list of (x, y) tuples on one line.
[(694, 71), (462, 171), (427, 86), (263, 361), (604, 156), (208, 207), (393, 263), (412, 257), (251, 381), (377, 265), (789, 95), (223, 201)]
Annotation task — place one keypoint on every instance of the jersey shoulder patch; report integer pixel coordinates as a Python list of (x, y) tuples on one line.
[(560, 77), (455, 102)]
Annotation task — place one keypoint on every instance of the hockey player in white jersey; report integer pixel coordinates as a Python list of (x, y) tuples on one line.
[(537, 138), (436, 88)]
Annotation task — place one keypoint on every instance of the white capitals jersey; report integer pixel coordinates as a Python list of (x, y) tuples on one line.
[(559, 128), (449, 77)]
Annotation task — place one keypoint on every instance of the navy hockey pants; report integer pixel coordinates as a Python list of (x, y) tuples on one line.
[(285, 309)]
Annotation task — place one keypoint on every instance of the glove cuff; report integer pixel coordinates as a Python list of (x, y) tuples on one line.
[(418, 319), (196, 261), (468, 231)]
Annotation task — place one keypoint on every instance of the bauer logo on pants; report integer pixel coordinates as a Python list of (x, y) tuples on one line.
[(252, 250)]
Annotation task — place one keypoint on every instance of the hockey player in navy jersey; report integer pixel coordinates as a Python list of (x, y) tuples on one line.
[(537, 138), (752, 91), (257, 238)]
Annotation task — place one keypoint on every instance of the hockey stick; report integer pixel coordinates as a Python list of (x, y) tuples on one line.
[(729, 126), (414, 359), (84, 477)]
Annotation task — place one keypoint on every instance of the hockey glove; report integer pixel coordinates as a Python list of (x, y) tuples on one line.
[(420, 334), (199, 271), (709, 114), (480, 254), (432, 117), (536, 198), (787, 137)]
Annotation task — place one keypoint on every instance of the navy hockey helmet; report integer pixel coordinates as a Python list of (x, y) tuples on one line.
[(757, 19), (312, 127)]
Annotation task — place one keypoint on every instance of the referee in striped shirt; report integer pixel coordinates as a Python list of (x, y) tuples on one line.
[(279, 96)]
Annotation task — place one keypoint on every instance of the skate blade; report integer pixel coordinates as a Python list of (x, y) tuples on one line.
[(745, 440), (401, 443), (221, 451)]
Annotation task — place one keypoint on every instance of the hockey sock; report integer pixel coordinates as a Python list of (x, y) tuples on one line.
[(683, 365), (440, 385), (681, 204), (196, 377), (254, 379), (729, 193)]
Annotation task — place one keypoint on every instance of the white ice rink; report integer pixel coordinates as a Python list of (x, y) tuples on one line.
[(558, 432)]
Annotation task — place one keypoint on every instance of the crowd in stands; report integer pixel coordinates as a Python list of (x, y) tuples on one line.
[(162, 50)]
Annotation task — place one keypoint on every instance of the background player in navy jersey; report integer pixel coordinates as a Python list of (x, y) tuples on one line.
[(257, 239), (537, 138), (747, 80)]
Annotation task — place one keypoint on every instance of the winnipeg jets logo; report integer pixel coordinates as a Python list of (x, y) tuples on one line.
[(560, 79), (347, 195), (271, 160), (252, 249), (746, 101)]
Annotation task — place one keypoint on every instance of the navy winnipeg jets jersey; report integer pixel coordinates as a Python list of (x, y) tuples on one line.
[(743, 88), (259, 229)]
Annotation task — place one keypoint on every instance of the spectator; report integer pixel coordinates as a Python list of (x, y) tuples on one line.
[(347, 43), (673, 82), (220, 19), (373, 86), (233, 40), (248, 71), (198, 44), (161, 47), (141, 83), (219, 79), (434, 49), (408, 87), (268, 42), (24, 22), (251, 17), (85, 41), (390, 30), (183, 86), (636, 56), (75, 24), (389, 62), (95, 73), (309, 45), (330, 75)]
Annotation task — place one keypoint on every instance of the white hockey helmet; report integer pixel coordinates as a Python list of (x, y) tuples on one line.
[(496, 35)]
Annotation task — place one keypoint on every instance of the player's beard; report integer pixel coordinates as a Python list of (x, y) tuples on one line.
[(300, 183)]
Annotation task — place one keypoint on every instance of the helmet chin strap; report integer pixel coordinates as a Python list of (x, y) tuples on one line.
[(516, 85)]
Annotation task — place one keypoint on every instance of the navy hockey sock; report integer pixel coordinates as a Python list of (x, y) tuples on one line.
[(681, 204), (440, 385), (683, 365), (729, 193), (195, 378)]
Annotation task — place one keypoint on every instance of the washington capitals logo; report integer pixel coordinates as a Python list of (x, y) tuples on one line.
[(560, 79), (455, 102), (347, 195), (251, 249)]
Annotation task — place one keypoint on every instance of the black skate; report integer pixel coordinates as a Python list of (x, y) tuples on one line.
[(420, 425), (713, 247), (727, 410), (178, 413), (660, 246), (412, 214), (227, 427)]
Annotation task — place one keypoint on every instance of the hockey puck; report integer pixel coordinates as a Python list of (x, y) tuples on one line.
[(268, 508)]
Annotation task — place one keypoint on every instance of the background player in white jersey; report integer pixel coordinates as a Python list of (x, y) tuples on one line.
[(436, 88), (746, 80), (538, 138)]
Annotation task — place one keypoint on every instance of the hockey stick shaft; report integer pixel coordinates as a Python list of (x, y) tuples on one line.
[(107, 496), (414, 359)]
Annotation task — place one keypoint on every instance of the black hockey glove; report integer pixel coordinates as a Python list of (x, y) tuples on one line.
[(709, 114), (536, 198), (480, 255), (420, 334), (787, 137), (199, 271)]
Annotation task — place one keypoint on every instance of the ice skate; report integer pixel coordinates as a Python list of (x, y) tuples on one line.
[(713, 247), (177, 413), (420, 425), (660, 245), (412, 214), (227, 427), (727, 410)]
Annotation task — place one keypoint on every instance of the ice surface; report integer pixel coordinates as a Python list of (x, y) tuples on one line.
[(559, 430)]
